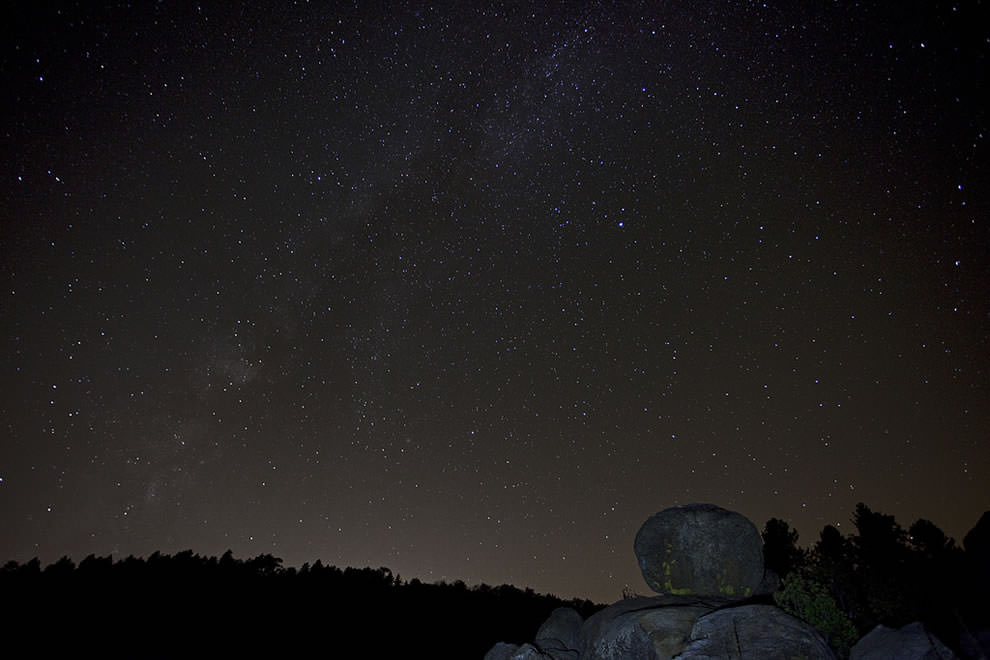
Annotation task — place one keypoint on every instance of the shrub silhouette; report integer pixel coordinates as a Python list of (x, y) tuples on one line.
[(807, 595)]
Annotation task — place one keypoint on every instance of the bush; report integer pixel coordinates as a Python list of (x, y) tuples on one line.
[(807, 597)]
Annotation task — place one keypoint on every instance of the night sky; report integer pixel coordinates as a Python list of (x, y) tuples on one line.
[(469, 290)]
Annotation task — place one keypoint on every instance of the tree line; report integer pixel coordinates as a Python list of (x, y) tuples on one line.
[(882, 573), (187, 605)]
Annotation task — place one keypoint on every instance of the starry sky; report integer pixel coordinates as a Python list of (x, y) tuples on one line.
[(469, 290)]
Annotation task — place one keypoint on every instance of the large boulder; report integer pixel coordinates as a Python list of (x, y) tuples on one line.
[(641, 628), (506, 651), (501, 651), (668, 627), (559, 636), (557, 639), (754, 631), (700, 549), (911, 642)]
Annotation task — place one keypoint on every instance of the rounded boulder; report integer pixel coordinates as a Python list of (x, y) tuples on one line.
[(700, 549)]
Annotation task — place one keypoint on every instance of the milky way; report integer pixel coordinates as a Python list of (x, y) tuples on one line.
[(469, 292)]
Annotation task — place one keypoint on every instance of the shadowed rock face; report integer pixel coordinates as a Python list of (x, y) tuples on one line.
[(641, 628), (912, 642), (754, 631), (668, 627), (700, 549), (559, 636), (504, 651)]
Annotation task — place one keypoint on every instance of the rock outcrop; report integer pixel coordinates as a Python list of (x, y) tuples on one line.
[(707, 564), (700, 549), (754, 631), (559, 636), (705, 561), (641, 628), (505, 651), (557, 639), (667, 627)]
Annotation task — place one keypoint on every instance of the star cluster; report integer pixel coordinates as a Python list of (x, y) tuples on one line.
[(471, 290)]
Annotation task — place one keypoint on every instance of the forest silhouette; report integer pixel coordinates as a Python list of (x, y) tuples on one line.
[(187, 605), (882, 573)]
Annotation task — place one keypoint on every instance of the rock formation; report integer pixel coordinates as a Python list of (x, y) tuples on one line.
[(560, 634), (641, 628), (667, 627), (705, 561), (707, 564), (754, 631), (700, 549), (504, 651)]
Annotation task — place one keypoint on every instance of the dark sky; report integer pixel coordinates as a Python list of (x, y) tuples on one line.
[(470, 292)]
